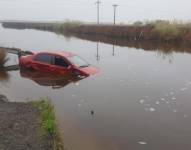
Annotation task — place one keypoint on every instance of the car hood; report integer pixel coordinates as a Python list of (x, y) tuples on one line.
[(90, 70)]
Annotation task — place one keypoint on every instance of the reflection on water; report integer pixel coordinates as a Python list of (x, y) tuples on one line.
[(97, 52), (165, 56), (53, 80), (139, 100), (113, 52), (98, 57), (4, 76), (162, 47)]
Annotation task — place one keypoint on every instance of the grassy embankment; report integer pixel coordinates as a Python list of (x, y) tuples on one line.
[(28, 126), (161, 31), (49, 127), (166, 36)]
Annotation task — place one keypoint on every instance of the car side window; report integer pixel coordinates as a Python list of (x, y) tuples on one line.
[(59, 61), (45, 58)]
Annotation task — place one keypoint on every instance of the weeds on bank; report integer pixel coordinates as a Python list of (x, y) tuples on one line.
[(3, 59), (48, 122), (159, 30)]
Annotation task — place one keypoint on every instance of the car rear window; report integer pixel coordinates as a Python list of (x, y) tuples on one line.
[(45, 58)]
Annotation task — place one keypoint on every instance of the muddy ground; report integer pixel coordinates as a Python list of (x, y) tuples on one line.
[(20, 127)]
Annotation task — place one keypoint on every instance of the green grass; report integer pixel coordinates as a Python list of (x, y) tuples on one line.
[(48, 117), (48, 122)]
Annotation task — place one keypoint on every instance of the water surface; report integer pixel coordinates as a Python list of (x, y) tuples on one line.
[(140, 99)]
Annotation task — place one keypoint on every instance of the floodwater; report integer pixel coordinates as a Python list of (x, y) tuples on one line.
[(140, 100)]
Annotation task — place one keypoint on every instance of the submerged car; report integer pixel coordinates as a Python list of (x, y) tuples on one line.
[(58, 62)]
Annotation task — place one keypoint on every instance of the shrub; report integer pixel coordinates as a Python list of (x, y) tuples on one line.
[(138, 23), (166, 31), (69, 25), (3, 59)]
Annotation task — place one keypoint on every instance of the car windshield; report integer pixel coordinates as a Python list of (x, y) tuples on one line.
[(77, 61)]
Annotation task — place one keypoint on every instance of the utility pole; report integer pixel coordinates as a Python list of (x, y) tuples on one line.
[(98, 4), (114, 15)]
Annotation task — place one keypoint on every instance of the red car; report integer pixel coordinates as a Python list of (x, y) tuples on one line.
[(57, 62)]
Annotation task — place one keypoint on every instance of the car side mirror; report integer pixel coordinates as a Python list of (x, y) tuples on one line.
[(69, 67)]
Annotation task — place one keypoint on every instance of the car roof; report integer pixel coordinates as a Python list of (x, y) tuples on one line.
[(56, 52)]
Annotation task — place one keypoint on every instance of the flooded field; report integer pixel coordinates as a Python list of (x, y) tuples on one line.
[(140, 100)]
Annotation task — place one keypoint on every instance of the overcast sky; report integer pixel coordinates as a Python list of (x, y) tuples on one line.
[(85, 10)]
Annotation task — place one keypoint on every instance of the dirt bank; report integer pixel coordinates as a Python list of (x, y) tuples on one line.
[(20, 127)]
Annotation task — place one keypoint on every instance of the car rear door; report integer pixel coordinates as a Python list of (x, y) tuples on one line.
[(42, 62)]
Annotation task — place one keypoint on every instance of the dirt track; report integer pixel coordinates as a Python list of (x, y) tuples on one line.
[(20, 127)]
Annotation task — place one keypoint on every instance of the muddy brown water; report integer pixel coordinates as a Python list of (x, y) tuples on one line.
[(140, 100)]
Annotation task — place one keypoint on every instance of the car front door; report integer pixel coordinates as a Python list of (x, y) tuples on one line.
[(60, 64)]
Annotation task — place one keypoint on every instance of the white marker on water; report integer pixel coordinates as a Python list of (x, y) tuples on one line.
[(183, 89), (171, 93), (142, 142), (77, 84), (157, 102), (162, 99), (142, 101), (79, 105), (152, 109), (73, 95)]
